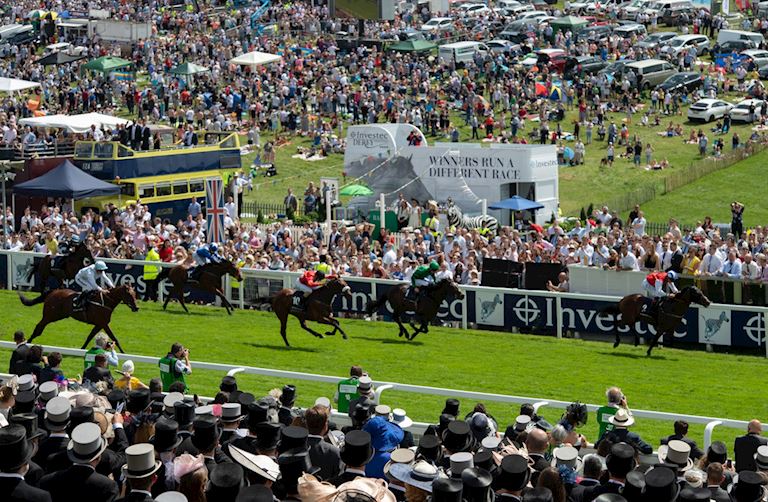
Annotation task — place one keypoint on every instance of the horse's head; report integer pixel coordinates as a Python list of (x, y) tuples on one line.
[(83, 254), (231, 269), (452, 288), (128, 296), (339, 285), (694, 295)]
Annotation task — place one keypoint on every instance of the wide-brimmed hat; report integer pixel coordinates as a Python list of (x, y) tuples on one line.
[(166, 436), (399, 456), (400, 418), (421, 474), (184, 413), (514, 473), (29, 422), (622, 418), (761, 458), (366, 489), (86, 443), (170, 400), (293, 437), (676, 452), (174, 496), (567, 456), (457, 437), (262, 465), (749, 487), (357, 449), (661, 485), (385, 436), (447, 490), (231, 412), (15, 448), (48, 390), (57, 412), (429, 448), (459, 462), (140, 461)]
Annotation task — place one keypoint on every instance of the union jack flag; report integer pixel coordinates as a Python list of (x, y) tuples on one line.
[(214, 209)]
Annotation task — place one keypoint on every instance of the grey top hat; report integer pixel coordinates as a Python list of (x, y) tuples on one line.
[(169, 400), (140, 461), (48, 390), (203, 412), (231, 412), (171, 497), (86, 443), (26, 383), (459, 462), (57, 413), (567, 456)]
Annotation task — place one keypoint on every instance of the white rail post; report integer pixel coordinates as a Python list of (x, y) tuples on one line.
[(379, 391), (708, 432), (382, 212), (538, 405), (559, 316), (464, 315)]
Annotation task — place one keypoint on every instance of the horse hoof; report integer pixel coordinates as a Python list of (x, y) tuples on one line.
[(648, 353), (615, 344), (329, 333)]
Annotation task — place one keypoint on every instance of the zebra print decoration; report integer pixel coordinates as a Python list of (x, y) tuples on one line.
[(457, 219)]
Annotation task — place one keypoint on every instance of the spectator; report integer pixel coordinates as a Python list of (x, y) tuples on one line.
[(745, 447), (127, 382), (99, 372), (20, 352), (52, 371), (714, 478), (619, 462), (102, 345), (621, 422), (681, 434)]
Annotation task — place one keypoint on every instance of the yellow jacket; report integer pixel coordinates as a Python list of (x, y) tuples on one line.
[(151, 271)]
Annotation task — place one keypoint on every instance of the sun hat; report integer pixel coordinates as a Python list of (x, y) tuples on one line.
[(420, 475), (399, 456), (261, 465), (622, 418)]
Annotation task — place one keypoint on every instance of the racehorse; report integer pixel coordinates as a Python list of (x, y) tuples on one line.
[(425, 311), (71, 264), (209, 281), (668, 317), (57, 305), (317, 307)]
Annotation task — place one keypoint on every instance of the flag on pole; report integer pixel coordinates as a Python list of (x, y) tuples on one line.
[(214, 208)]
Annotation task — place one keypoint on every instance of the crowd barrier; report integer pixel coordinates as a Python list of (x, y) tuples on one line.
[(503, 309)]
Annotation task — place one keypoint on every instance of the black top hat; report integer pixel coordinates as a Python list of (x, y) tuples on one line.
[(451, 407), (80, 415), (234, 396), (484, 460), (661, 485), (443, 422), (225, 479), (539, 494), (228, 384), (513, 473), (245, 399), (621, 460), (267, 435), (29, 422), (115, 398), (255, 493), (138, 400), (749, 487), (206, 433), (457, 437), (690, 494), (634, 485), (477, 484), (293, 463), (293, 437), (15, 448), (717, 452), (166, 436), (429, 448), (362, 412), (183, 413), (289, 395), (257, 413), (610, 497), (357, 448), (447, 490)]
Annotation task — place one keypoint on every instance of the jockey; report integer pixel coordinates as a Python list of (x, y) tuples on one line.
[(88, 279), (654, 284), (65, 248), (207, 253), (308, 282), (424, 275)]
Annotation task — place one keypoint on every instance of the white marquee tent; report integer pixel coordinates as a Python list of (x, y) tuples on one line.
[(74, 123), (255, 58), (16, 85)]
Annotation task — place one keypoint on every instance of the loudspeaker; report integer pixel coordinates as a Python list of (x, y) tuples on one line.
[(501, 273), (537, 275)]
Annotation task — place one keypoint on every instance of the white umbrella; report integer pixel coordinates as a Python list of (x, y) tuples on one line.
[(255, 58), (16, 85)]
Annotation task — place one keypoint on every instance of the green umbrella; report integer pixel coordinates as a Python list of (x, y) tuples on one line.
[(107, 64), (413, 46), (189, 69), (356, 190)]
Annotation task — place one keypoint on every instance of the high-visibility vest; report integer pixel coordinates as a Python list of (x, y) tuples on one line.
[(234, 283), (90, 356), (151, 271), (347, 390), (323, 267), (168, 373), (433, 224)]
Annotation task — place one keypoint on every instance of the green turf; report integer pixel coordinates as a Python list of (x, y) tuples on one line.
[(713, 194), (672, 380)]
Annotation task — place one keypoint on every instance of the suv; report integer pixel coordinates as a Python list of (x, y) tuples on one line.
[(651, 72), (581, 65), (682, 43)]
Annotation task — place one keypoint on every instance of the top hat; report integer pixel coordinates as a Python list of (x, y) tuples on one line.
[(451, 407), (81, 415), (522, 423), (166, 436), (86, 443), (491, 442), (230, 412), (15, 448), (459, 462), (257, 413), (382, 410), (206, 433), (57, 412), (26, 383), (267, 435), (364, 386), (761, 458), (610, 497), (228, 384), (567, 456), (429, 448), (254, 493), (225, 481), (169, 400), (717, 452), (29, 422), (447, 490), (293, 437), (140, 461), (289, 395), (514, 473), (244, 398), (357, 449), (293, 463), (261, 465), (138, 400), (183, 413), (676, 452), (661, 485), (484, 459), (115, 398), (477, 484), (690, 494), (48, 390), (204, 413), (457, 437), (621, 460), (634, 485), (749, 487)]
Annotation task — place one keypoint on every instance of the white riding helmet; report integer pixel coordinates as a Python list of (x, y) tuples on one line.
[(100, 265)]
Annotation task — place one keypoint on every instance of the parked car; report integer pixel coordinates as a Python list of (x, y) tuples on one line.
[(651, 72), (733, 46), (758, 56), (655, 40), (708, 110), (595, 33), (581, 65), (740, 112), (681, 43), (501, 46), (686, 81), (474, 9), (630, 30), (617, 70), (438, 24)]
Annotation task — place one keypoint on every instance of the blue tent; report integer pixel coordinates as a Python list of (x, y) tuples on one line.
[(516, 203), (68, 181)]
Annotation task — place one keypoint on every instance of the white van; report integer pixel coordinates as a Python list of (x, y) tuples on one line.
[(660, 6), (751, 36), (461, 52), (10, 30)]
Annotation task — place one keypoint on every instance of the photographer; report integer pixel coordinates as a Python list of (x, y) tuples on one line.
[(175, 366), (737, 223), (103, 345)]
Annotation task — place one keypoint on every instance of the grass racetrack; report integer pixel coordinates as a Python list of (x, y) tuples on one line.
[(691, 382)]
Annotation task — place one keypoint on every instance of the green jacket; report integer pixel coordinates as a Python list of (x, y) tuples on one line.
[(90, 356), (168, 373), (422, 272)]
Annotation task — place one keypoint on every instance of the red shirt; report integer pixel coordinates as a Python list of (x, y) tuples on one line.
[(308, 279), (166, 253), (656, 276)]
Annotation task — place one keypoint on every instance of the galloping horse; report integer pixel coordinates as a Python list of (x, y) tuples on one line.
[(72, 263), (425, 311), (209, 281), (669, 316), (317, 308), (57, 305)]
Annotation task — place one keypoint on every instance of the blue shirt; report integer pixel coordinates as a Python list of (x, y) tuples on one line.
[(194, 209)]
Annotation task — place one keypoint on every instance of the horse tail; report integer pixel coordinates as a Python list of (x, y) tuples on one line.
[(34, 301), (33, 269), (373, 305), (610, 310)]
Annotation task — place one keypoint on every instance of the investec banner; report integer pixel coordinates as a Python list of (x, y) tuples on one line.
[(465, 172)]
